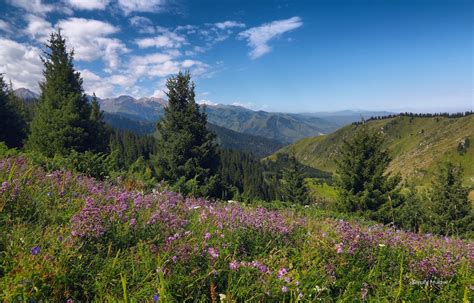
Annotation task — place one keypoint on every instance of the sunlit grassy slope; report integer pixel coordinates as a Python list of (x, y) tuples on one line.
[(417, 145)]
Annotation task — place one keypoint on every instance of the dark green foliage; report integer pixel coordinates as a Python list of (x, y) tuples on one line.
[(463, 146), (128, 147), (62, 121), (242, 176), (100, 132), (412, 215), (258, 146), (451, 209), (187, 156), (12, 120), (363, 184), (293, 186)]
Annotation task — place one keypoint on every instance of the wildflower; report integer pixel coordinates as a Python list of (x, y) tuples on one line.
[(207, 236), (339, 248), (35, 250), (222, 297), (284, 289), (175, 258), (69, 301), (234, 265), (156, 298), (213, 252), (282, 272), (382, 245), (133, 222), (49, 194), (363, 291)]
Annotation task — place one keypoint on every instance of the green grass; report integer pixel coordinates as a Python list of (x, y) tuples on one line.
[(417, 146)]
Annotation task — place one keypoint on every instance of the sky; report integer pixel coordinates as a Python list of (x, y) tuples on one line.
[(286, 56)]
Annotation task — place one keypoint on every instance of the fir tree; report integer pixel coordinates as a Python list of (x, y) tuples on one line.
[(12, 123), (293, 186), (62, 121), (187, 156), (362, 182), (452, 210), (99, 132)]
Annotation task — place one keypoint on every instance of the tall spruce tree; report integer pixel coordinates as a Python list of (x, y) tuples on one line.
[(187, 157), (12, 123), (293, 186), (99, 132), (62, 122), (451, 209), (363, 184)]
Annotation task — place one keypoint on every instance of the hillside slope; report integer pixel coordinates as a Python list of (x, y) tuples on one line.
[(417, 145)]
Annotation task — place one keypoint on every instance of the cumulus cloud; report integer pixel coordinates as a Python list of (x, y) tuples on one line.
[(33, 6), (88, 4), (37, 28), (166, 40), (229, 24), (149, 6), (258, 37), (21, 64), (90, 40)]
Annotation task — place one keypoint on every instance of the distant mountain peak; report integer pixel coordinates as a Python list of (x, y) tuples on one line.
[(25, 94)]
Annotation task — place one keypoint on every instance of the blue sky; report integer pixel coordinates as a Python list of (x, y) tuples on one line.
[(292, 56)]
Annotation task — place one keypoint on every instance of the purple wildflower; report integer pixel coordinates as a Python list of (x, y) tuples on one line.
[(282, 272), (156, 298), (35, 250), (207, 236), (284, 289), (234, 265), (339, 248), (213, 252)]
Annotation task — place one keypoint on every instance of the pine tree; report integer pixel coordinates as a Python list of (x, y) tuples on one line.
[(362, 182), (12, 123), (99, 132), (187, 156), (452, 210), (293, 186), (62, 121)]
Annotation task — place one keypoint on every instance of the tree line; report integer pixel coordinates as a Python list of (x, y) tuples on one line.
[(185, 155), (417, 115)]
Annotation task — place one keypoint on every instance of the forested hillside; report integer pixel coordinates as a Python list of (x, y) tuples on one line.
[(417, 145)]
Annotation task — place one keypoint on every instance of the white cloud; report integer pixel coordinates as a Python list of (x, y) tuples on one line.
[(160, 93), (33, 6), (205, 102), (250, 105), (144, 25), (21, 64), (90, 40), (166, 40), (4, 26), (93, 83), (88, 4), (38, 28), (228, 24), (258, 37), (149, 6)]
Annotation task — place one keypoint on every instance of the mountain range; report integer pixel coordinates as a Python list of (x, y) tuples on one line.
[(259, 132)]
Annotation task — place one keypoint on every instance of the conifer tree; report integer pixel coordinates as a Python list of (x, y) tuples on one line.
[(362, 182), (293, 187), (452, 210), (12, 123), (99, 132), (187, 156), (62, 121)]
